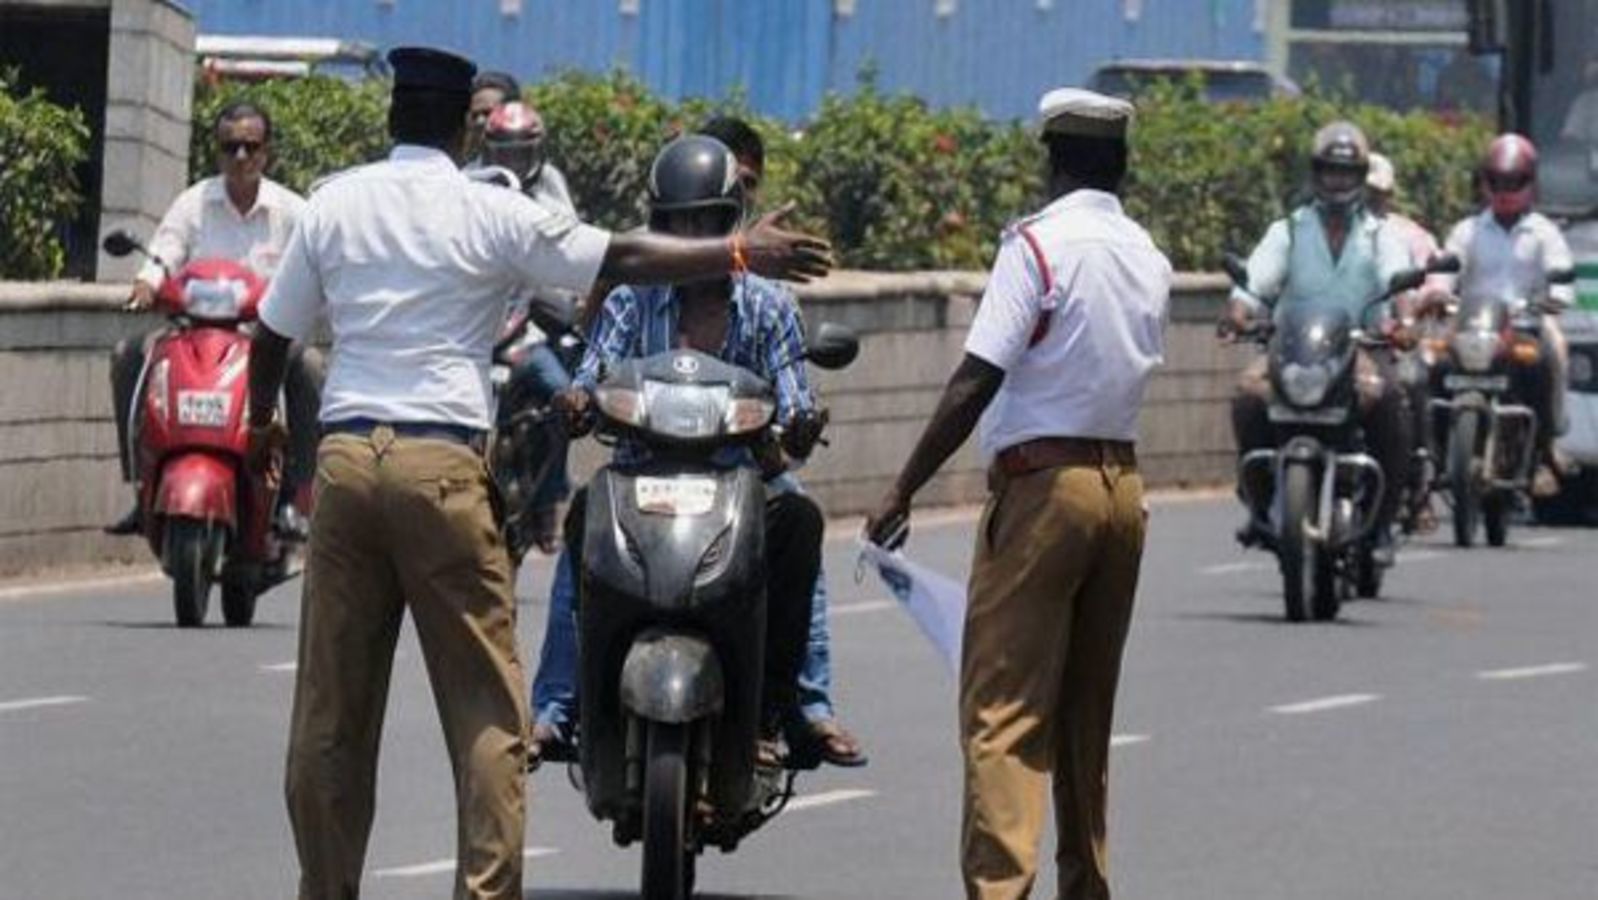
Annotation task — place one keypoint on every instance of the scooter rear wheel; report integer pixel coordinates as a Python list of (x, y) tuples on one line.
[(668, 864), (238, 600)]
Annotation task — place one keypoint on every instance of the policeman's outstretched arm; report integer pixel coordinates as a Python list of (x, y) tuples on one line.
[(765, 249), (968, 393)]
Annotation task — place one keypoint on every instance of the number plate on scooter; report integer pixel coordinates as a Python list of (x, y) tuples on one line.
[(206, 409), (1457, 382), (675, 496)]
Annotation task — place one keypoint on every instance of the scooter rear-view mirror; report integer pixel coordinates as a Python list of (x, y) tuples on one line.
[(1446, 264), (833, 347), (120, 243)]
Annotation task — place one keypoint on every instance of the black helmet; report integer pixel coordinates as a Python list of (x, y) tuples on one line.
[(694, 172), (1340, 161)]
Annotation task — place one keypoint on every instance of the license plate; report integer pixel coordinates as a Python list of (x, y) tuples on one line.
[(675, 496), (1476, 382), (1331, 415), (206, 409)]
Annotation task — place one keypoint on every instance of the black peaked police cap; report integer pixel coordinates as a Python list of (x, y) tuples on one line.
[(427, 69)]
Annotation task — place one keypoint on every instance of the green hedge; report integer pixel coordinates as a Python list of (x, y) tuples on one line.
[(898, 185), (41, 145)]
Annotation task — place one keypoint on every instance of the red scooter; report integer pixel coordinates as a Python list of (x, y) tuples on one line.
[(207, 516)]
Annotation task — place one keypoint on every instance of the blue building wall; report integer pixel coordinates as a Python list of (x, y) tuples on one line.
[(995, 54)]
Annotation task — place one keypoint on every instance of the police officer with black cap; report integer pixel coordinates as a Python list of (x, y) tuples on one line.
[(411, 264)]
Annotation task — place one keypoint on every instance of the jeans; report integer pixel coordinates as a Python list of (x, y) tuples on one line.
[(541, 376), (555, 684)]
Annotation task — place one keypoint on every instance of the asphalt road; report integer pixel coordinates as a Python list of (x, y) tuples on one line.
[(1437, 744)]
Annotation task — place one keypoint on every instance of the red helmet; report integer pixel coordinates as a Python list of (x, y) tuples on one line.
[(1509, 172), (512, 123), (514, 138)]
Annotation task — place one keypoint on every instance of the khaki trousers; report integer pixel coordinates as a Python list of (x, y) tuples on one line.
[(404, 523), (1051, 593)]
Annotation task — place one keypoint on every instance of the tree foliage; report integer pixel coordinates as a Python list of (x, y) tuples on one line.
[(41, 145)]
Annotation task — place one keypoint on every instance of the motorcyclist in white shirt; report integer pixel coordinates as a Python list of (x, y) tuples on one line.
[(1509, 250)]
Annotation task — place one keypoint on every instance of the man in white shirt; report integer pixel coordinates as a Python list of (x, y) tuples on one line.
[(239, 215), (413, 266), (1507, 252), (1067, 335)]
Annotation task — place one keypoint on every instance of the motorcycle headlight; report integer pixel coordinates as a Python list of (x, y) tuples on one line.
[(749, 414), (1474, 349), (1305, 385), (623, 405), (686, 411)]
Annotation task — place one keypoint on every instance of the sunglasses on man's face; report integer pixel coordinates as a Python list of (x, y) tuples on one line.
[(232, 148)]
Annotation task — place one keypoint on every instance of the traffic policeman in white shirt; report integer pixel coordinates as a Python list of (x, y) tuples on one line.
[(413, 265), (239, 215), (1065, 339), (1507, 251)]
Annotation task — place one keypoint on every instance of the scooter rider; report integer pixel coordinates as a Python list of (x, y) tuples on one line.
[(1332, 251), (240, 215), (1508, 250), (747, 321)]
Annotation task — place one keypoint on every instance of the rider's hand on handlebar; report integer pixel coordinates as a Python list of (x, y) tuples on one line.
[(141, 298), (1239, 321), (802, 432), (574, 404), (775, 252)]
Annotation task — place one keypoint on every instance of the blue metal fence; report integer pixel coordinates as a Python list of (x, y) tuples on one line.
[(995, 54)]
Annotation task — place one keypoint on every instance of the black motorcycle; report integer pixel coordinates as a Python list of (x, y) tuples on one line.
[(1326, 488), (1491, 443), (673, 614), (529, 438)]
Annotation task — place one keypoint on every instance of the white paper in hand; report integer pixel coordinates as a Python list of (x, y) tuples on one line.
[(935, 601)]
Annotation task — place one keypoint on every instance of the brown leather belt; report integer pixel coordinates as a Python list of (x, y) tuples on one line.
[(1057, 452)]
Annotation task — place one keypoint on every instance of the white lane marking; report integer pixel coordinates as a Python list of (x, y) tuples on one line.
[(828, 798), (1123, 740), (1322, 704), (37, 702), (1562, 668), (855, 609), (289, 666), (1233, 568), (441, 866), (27, 591), (1547, 540)]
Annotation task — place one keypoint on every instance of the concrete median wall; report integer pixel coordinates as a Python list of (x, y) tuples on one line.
[(59, 480)]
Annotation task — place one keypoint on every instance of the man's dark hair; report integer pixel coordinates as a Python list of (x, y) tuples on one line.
[(427, 117), (239, 111), (1094, 162), (504, 82), (742, 139)]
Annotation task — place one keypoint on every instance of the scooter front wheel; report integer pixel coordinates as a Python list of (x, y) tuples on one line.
[(191, 549), (668, 862)]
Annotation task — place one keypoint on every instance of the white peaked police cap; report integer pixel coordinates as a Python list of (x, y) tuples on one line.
[(1083, 113)]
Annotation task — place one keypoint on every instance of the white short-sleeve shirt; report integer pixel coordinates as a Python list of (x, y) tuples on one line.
[(1103, 289), (202, 223), (413, 264), (1513, 262)]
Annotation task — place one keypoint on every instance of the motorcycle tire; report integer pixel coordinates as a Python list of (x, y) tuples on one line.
[(668, 864), (1462, 482), (1309, 583), (238, 601), (1367, 574), (190, 549), (1495, 512)]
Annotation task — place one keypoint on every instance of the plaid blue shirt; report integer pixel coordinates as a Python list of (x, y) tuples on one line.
[(764, 333)]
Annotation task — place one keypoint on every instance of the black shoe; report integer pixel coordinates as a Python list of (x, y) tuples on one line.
[(132, 523)]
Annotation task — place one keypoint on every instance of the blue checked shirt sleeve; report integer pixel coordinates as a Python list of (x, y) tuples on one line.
[(782, 339), (615, 330)]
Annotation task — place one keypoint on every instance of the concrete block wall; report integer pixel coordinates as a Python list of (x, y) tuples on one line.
[(149, 93), (59, 480)]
